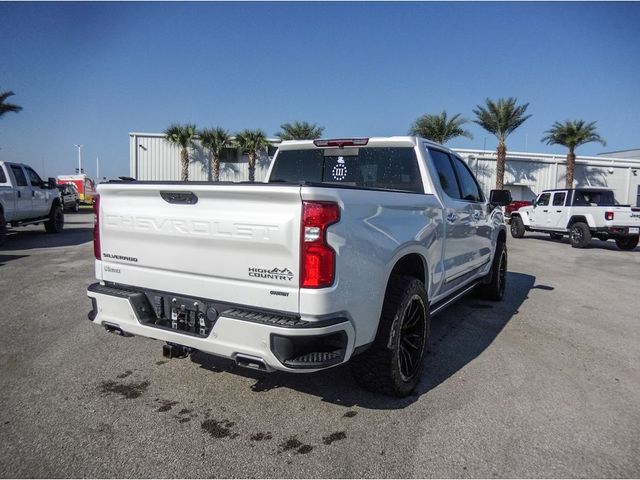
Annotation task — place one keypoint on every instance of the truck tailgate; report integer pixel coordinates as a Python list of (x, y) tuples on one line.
[(231, 243), (625, 216)]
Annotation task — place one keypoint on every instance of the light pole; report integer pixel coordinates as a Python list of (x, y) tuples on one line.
[(79, 147)]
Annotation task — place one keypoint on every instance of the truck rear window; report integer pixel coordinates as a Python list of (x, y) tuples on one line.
[(389, 168), (602, 198)]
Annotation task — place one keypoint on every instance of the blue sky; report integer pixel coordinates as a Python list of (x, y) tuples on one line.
[(92, 73)]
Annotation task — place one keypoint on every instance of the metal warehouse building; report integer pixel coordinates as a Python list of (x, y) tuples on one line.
[(153, 158)]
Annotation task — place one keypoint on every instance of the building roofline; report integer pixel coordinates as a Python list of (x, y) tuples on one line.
[(621, 151), (552, 157)]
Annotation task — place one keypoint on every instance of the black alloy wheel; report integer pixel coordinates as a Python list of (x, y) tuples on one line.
[(412, 338)]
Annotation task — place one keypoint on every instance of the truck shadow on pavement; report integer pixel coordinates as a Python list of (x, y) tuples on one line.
[(19, 239), (458, 336), (7, 258)]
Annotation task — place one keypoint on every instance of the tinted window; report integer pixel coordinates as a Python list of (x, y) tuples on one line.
[(558, 199), (21, 180), (602, 198), (271, 150), (543, 200), (470, 189), (229, 155), (34, 178), (386, 168), (3, 177), (446, 175)]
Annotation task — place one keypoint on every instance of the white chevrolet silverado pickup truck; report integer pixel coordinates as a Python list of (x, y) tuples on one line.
[(343, 254), (25, 199), (581, 213)]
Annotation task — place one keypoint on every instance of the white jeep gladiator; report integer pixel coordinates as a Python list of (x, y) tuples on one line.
[(581, 213), (343, 254), (25, 199)]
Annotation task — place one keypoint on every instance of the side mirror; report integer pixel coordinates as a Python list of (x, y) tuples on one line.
[(500, 197), (52, 182)]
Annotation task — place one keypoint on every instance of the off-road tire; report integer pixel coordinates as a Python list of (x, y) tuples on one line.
[(497, 278), (403, 331), (627, 243), (517, 227), (579, 235), (55, 224), (556, 236), (3, 228)]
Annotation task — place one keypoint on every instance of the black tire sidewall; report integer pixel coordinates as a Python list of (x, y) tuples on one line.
[(586, 235), (518, 225), (406, 386), (627, 243), (53, 225), (3, 228), (377, 369), (495, 289)]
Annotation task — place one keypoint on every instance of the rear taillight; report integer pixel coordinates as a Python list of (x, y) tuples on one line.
[(342, 142), (608, 215), (317, 258), (96, 228)]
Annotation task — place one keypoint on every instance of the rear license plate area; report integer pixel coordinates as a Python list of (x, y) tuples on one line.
[(634, 230), (169, 312)]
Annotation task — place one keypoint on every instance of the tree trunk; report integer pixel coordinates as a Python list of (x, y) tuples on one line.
[(500, 162), (184, 163), (215, 168), (571, 168), (252, 167)]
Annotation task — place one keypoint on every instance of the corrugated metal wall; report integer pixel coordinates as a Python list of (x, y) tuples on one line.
[(527, 174), (158, 159), (527, 177)]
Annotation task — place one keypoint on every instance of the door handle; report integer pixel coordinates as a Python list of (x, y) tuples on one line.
[(451, 217), (558, 211), (545, 210), (19, 193)]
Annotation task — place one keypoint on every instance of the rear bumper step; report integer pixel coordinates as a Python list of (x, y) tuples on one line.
[(261, 340)]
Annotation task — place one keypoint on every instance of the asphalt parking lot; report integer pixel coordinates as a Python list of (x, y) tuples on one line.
[(544, 384)]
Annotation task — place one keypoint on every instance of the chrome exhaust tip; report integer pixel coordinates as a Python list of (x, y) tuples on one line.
[(249, 361)]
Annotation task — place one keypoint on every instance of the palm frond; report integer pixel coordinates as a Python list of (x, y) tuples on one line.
[(501, 117), (216, 140), (181, 135), (572, 134), (6, 107), (251, 141), (299, 131), (438, 128)]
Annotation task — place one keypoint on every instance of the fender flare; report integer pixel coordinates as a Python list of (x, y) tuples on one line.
[(523, 216)]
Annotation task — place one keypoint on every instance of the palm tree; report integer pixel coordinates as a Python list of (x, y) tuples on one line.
[(299, 131), (501, 118), (215, 140), (7, 107), (438, 128), (572, 134), (250, 142), (182, 136)]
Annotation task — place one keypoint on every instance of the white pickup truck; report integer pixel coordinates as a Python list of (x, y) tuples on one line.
[(343, 254), (581, 213), (25, 199)]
